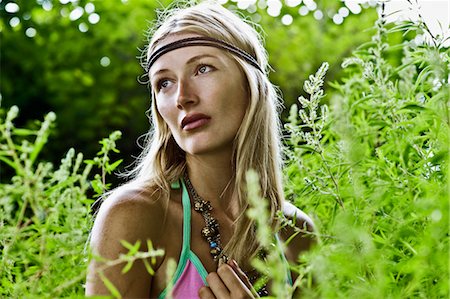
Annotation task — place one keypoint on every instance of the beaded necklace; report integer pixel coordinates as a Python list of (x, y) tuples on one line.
[(211, 232)]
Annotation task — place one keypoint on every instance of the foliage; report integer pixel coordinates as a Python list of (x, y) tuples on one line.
[(371, 167), (299, 49), (45, 215), (129, 259), (45, 219), (374, 172), (99, 183), (269, 265), (89, 77)]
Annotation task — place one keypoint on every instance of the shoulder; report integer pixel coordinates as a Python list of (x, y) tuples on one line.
[(300, 232), (298, 217), (131, 213)]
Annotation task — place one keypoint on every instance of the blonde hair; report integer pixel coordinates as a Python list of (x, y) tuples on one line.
[(257, 144)]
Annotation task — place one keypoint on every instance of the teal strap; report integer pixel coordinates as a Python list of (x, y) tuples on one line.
[(175, 185), (186, 218), (187, 236), (186, 249), (284, 260), (199, 266)]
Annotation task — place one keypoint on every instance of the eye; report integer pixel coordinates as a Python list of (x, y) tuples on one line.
[(204, 68), (162, 84)]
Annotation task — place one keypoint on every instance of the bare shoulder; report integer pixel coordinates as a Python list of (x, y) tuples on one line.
[(130, 213), (133, 214), (300, 218), (301, 234)]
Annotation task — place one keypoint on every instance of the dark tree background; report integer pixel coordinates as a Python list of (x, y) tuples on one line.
[(79, 59)]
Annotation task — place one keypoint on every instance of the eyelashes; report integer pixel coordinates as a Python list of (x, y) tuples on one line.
[(162, 83), (205, 68), (201, 69)]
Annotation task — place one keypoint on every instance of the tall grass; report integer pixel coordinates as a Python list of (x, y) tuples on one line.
[(371, 167), (373, 170), (44, 219)]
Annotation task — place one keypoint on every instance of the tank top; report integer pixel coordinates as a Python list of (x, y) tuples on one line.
[(190, 274)]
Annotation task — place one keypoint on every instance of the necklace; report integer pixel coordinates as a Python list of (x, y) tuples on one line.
[(211, 232)]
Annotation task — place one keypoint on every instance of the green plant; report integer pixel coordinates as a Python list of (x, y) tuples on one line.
[(102, 161), (373, 170), (269, 266), (46, 216)]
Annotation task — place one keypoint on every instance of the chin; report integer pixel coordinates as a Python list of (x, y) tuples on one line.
[(207, 149), (198, 151)]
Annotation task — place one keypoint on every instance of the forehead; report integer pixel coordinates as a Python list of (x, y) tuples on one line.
[(178, 57)]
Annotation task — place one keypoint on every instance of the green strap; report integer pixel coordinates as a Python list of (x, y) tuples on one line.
[(185, 251), (186, 219), (175, 185), (284, 260), (199, 266)]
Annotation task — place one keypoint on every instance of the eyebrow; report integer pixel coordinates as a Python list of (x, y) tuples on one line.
[(190, 61)]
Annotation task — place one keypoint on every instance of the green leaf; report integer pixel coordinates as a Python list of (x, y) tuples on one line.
[(113, 166), (148, 267), (439, 157), (427, 71), (38, 145), (97, 186), (24, 132), (132, 248), (149, 245), (127, 267), (9, 162), (413, 106), (109, 285)]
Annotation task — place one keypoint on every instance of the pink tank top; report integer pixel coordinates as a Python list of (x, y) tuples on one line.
[(190, 274)]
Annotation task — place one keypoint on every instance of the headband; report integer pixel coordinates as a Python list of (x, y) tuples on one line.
[(202, 41)]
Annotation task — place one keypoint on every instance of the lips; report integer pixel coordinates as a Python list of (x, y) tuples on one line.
[(194, 121)]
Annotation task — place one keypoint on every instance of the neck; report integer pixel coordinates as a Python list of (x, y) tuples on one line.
[(212, 177)]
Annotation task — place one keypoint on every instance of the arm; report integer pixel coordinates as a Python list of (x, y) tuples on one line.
[(129, 215), (303, 240)]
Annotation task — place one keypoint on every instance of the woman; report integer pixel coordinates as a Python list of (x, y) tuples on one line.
[(214, 118)]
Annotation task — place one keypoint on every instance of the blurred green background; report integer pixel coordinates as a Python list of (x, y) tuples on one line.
[(79, 59)]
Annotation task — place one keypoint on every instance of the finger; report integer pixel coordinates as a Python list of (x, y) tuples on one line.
[(217, 286), (232, 281), (243, 276), (240, 273), (205, 293), (228, 276)]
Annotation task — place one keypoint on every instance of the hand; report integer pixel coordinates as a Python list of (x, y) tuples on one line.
[(228, 282)]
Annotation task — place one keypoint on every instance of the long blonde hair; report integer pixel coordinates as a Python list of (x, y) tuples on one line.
[(257, 143)]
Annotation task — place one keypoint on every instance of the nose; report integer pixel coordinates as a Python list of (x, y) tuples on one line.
[(185, 94)]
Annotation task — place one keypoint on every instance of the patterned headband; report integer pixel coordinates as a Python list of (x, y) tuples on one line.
[(202, 41)]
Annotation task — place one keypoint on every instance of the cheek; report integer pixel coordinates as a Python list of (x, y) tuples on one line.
[(168, 114), (163, 110)]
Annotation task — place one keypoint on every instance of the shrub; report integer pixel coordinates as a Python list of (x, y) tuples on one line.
[(45, 218), (373, 169)]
